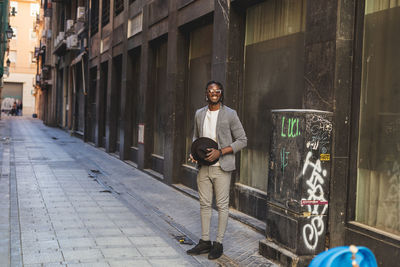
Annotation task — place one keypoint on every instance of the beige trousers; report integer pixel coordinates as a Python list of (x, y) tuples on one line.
[(210, 177)]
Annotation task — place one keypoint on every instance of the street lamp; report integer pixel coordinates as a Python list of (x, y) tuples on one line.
[(8, 62), (9, 32)]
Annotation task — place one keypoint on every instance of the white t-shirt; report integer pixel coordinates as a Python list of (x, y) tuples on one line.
[(210, 127)]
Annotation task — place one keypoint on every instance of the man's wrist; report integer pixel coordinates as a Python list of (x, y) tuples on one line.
[(220, 152)]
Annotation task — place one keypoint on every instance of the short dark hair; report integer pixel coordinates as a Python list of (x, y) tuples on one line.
[(219, 86), (215, 82)]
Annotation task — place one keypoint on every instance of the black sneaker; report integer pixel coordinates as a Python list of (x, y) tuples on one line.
[(200, 248), (216, 251)]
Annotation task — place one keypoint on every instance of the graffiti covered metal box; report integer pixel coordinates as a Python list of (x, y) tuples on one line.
[(298, 182)]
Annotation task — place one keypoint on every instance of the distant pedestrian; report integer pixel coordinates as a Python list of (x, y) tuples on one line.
[(14, 109), (220, 123), (19, 108)]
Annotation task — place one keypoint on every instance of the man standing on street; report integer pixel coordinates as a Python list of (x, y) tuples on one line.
[(220, 123)]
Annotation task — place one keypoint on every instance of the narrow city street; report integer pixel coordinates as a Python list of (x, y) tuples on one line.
[(68, 203)]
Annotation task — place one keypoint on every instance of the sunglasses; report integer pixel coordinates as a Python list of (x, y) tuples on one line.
[(212, 91)]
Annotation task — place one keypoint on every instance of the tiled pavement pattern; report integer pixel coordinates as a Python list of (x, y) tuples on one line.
[(61, 216)]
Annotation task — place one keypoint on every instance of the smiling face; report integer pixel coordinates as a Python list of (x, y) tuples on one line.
[(213, 94)]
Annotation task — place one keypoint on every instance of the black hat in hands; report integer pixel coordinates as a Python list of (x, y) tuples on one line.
[(199, 150)]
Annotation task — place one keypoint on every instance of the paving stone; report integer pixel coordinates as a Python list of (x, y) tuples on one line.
[(99, 223), (120, 253), (34, 216), (113, 241), (37, 228), (102, 232), (102, 197), (148, 241), (137, 231), (33, 222), (89, 264), (56, 264), (57, 215), (169, 262), (34, 236), (88, 209), (127, 217), (43, 257), (93, 216), (82, 254), (130, 263), (4, 235), (114, 210), (72, 233), (84, 197), (40, 246), (53, 199), (157, 251), (127, 223), (62, 218), (84, 204), (67, 224), (31, 210), (76, 243), (61, 210), (110, 203), (59, 204)]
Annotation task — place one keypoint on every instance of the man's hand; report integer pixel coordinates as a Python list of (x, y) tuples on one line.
[(213, 154), (191, 159)]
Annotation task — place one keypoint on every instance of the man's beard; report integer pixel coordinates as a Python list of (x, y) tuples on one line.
[(214, 103)]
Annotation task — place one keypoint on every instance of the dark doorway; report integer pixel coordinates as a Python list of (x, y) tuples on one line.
[(134, 85), (115, 106), (103, 103), (60, 99), (91, 111), (159, 83), (79, 111)]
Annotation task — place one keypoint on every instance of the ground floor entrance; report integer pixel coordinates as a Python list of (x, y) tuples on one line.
[(10, 94)]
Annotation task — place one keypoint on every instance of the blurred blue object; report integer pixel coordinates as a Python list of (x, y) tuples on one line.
[(345, 256)]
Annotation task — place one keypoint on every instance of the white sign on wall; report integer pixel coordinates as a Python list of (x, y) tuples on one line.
[(141, 133)]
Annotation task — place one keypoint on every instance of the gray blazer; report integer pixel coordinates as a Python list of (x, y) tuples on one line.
[(230, 132)]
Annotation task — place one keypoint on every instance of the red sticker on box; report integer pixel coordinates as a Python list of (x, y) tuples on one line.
[(305, 202)]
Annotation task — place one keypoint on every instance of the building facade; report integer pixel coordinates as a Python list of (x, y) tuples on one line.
[(20, 83), (4, 22), (130, 77)]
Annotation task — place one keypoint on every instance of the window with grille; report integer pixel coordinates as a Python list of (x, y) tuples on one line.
[(118, 6), (94, 22), (105, 13)]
